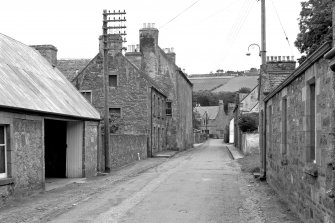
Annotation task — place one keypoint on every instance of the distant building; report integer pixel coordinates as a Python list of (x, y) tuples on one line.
[(47, 128), (215, 120)]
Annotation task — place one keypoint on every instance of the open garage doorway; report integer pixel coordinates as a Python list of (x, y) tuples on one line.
[(63, 142), (55, 148)]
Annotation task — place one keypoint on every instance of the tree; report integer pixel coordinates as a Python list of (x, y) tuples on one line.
[(244, 90), (248, 122), (315, 24)]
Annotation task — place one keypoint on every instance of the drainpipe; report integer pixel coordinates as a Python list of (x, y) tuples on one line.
[(263, 176)]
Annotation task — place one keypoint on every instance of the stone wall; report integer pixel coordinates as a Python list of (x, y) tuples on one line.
[(126, 149), (308, 186), (250, 143), (25, 157), (91, 149)]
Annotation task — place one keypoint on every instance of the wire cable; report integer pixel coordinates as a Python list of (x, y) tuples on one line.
[(281, 24), (180, 13)]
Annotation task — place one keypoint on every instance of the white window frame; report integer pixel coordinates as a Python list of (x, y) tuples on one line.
[(87, 91), (4, 175)]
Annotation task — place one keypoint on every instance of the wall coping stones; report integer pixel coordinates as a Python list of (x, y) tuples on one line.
[(6, 181)]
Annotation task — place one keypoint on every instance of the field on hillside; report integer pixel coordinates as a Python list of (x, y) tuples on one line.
[(202, 84), (216, 84)]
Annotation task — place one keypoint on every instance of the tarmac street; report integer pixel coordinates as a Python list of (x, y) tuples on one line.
[(204, 184), (201, 185)]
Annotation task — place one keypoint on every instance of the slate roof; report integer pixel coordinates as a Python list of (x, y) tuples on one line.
[(212, 111), (69, 67), (29, 82)]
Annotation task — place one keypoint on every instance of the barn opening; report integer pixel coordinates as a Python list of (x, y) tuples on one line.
[(55, 148), (63, 141)]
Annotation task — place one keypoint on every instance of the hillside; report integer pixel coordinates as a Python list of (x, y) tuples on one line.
[(220, 84)]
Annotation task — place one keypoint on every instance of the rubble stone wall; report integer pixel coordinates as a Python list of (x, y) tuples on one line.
[(126, 149), (307, 186), (25, 156)]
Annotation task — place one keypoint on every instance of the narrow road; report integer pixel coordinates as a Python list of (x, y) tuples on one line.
[(201, 185)]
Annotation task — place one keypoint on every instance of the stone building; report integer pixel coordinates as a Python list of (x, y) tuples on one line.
[(299, 126), (47, 128), (136, 105), (150, 93), (277, 68), (246, 103), (161, 67), (215, 120), (299, 149)]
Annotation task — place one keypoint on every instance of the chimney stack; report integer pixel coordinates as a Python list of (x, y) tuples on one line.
[(49, 52), (114, 44), (149, 49)]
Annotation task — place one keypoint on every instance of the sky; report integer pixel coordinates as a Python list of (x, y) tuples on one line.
[(210, 35)]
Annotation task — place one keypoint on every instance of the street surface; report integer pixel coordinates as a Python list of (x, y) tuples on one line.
[(200, 185)]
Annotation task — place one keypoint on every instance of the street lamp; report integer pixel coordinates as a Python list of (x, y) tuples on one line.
[(253, 45)]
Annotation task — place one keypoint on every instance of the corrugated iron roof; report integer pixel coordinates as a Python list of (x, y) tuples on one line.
[(29, 82)]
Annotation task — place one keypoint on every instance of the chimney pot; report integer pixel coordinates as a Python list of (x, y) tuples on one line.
[(292, 58)]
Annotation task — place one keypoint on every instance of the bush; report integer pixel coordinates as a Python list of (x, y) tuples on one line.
[(248, 122)]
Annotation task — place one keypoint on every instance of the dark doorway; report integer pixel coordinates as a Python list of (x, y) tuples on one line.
[(55, 148)]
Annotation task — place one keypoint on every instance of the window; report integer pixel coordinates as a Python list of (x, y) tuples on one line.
[(312, 107), (112, 80), (284, 125), (168, 108), (87, 95), (159, 108), (114, 119), (3, 152), (270, 128), (154, 106)]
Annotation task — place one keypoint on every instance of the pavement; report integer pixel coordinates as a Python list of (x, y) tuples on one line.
[(236, 154), (202, 185)]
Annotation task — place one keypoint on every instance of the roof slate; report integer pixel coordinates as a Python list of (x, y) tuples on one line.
[(29, 82), (71, 67)]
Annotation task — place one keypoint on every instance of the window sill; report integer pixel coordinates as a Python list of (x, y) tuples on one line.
[(6, 181)]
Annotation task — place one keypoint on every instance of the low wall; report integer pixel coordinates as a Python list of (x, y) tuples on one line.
[(250, 143), (199, 137), (125, 149)]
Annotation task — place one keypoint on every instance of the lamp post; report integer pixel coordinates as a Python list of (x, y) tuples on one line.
[(252, 45)]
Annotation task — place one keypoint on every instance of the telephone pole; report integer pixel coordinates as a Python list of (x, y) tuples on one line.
[(262, 74), (107, 36)]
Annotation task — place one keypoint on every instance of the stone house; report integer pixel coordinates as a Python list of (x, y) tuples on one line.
[(246, 103), (298, 152), (148, 91), (136, 105), (215, 120), (161, 66), (299, 148), (47, 128)]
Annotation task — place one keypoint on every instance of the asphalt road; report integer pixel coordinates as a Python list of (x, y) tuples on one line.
[(201, 185)]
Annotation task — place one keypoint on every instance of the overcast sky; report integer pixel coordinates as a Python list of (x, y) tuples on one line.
[(211, 35)]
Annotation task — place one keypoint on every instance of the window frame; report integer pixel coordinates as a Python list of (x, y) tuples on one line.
[(168, 108), (117, 80), (5, 174), (284, 125), (87, 91)]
